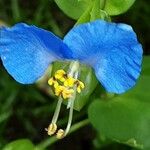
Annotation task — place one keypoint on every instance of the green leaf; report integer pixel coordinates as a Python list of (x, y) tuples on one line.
[(23, 144), (87, 76), (146, 66), (142, 149), (73, 8), (116, 7), (126, 118), (141, 90)]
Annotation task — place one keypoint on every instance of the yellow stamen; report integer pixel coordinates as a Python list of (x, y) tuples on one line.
[(80, 86), (51, 129), (65, 87), (78, 89), (60, 75), (60, 134), (63, 91), (59, 90), (52, 81), (67, 93), (69, 82)]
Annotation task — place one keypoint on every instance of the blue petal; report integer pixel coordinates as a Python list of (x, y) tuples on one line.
[(111, 49), (26, 51)]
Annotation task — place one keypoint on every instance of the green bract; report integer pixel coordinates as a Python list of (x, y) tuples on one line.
[(73, 8), (97, 11), (87, 76), (76, 8), (116, 7)]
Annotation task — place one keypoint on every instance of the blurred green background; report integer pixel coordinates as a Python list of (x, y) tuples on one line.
[(25, 110)]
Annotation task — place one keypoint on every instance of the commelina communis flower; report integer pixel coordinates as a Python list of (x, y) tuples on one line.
[(111, 49)]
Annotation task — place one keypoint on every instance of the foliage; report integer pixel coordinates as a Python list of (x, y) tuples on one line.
[(19, 145)]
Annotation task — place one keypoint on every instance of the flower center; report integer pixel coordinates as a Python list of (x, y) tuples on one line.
[(65, 85)]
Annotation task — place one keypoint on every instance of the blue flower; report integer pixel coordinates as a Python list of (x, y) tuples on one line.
[(111, 49)]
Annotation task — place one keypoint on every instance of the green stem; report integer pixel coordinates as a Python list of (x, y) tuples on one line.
[(55, 27), (57, 111), (102, 4), (15, 10), (49, 141)]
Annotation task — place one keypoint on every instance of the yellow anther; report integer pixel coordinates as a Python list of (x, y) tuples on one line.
[(69, 82), (60, 134), (63, 91), (67, 93), (60, 75), (52, 81), (78, 89), (51, 129), (80, 86), (59, 90)]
